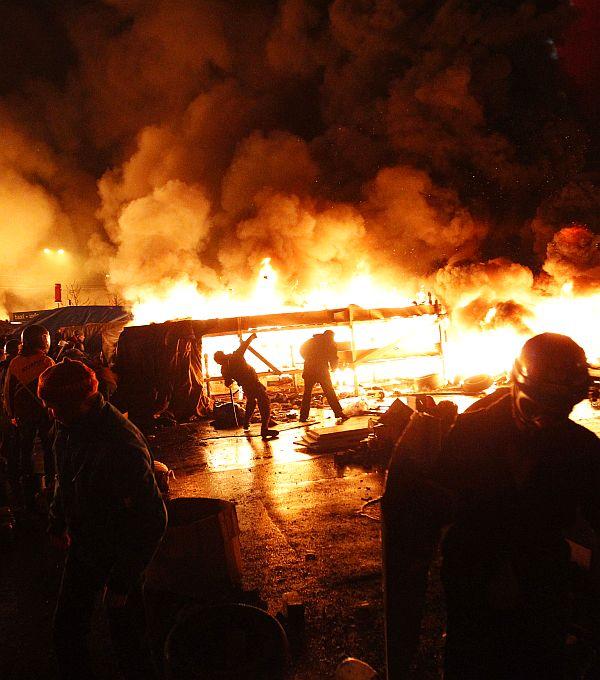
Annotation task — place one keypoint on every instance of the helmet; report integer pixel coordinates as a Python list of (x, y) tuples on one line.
[(219, 357), (11, 347), (34, 337), (552, 370)]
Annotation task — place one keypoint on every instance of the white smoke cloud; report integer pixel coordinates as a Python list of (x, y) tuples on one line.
[(160, 237)]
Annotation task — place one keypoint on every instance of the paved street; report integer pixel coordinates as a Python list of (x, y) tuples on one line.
[(301, 530)]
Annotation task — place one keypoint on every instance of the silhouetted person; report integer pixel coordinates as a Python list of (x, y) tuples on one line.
[(78, 340), (511, 479), (107, 511), (25, 409), (320, 355), (235, 367), (9, 465)]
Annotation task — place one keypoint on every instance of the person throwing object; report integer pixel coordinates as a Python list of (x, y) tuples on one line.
[(235, 368)]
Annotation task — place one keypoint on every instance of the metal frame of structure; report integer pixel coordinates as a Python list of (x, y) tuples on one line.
[(346, 316)]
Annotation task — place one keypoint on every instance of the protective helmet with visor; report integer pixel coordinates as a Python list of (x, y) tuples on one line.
[(549, 377)]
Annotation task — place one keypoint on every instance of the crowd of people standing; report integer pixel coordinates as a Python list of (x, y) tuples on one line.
[(104, 508), (507, 481)]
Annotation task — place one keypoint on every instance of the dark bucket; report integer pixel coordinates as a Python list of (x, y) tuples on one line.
[(226, 642)]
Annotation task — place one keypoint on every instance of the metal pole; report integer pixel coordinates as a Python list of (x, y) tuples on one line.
[(353, 348), (233, 407), (443, 341), (207, 375)]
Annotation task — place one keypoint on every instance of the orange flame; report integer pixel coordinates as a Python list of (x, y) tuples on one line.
[(489, 346)]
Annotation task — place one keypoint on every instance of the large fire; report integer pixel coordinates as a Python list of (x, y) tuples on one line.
[(182, 299), (442, 343)]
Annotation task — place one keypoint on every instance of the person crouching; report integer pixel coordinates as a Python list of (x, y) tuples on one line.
[(108, 514)]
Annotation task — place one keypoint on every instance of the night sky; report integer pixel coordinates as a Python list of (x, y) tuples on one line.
[(152, 138)]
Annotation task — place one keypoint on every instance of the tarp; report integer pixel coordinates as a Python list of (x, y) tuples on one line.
[(101, 324), (159, 369), (76, 315)]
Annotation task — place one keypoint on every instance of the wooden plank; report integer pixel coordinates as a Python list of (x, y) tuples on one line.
[(353, 423), (265, 361)]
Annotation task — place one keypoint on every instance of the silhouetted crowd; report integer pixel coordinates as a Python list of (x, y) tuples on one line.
[(506, 483), (104, 507)]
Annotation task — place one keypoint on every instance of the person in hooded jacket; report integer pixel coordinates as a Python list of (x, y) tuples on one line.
[(107, 512), (26, 411), (320, 355)]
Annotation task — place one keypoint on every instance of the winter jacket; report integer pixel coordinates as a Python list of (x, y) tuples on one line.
[(320, 354), (494, 514), (106, 496), (235, 367), (20, 386)]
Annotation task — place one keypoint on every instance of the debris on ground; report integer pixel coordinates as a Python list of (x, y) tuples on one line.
[(336, 437)]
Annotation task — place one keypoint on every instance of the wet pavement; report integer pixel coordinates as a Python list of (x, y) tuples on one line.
[(301, 529), (304, 527)]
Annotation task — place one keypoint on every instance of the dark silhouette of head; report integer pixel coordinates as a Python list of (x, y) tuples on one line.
[(67, 388), (11, 348), (549, 377), (35, 338)]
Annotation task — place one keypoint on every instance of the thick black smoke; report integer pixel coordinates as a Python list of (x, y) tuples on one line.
[(170, 139)]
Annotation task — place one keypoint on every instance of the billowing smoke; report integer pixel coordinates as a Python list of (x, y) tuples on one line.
[(180, 140), (574, 256), (38, 209)]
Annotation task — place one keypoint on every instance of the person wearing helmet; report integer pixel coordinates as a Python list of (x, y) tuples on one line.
[(26, 411), (510, 479), (549, 377), (319, 354), (235, 368), (107, 513), (9, 451)]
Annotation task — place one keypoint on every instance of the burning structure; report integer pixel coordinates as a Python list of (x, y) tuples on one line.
[(373, 344), (167, 149)]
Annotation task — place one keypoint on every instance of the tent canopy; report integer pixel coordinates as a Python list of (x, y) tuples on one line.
[(101, 325), (77, 316)]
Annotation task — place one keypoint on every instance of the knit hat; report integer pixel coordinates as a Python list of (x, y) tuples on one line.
[(68, 381)]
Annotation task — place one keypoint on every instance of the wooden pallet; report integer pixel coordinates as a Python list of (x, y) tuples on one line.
[(336, 437)]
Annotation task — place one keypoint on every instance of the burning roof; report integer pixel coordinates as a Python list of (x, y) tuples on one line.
[(365, 148)]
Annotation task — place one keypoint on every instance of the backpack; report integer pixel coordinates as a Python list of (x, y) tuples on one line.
[(307, 348), (225, 418)]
